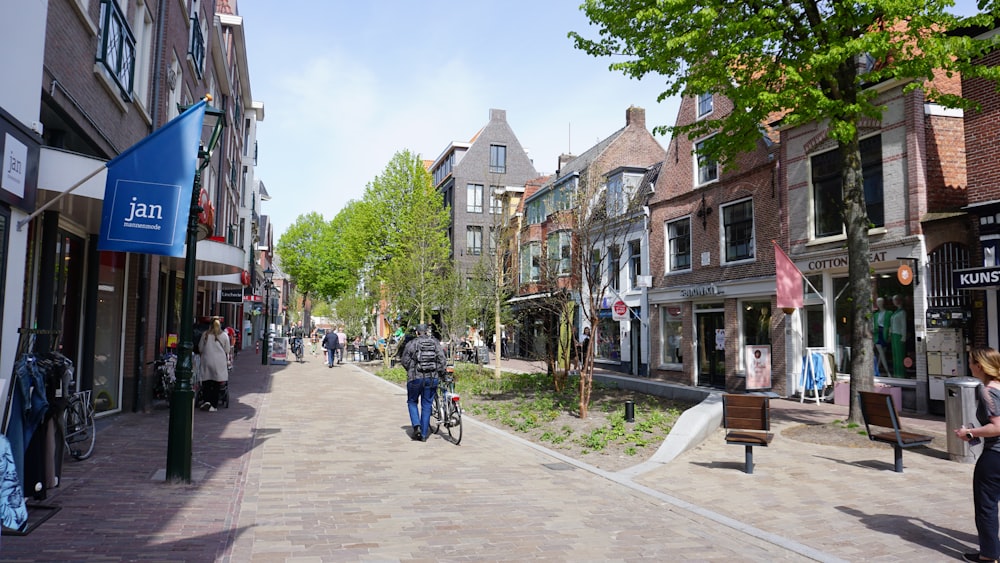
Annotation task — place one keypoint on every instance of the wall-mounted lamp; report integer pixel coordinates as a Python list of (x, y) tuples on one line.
[(703, 212)]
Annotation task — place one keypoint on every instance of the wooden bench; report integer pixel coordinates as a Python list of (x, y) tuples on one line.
[(878, 410), (747, 419)]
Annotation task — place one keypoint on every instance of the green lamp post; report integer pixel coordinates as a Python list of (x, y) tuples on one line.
[(181, 426), (266, 333)]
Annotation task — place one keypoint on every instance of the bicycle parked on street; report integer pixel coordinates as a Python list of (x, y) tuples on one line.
[(79, 432), (447, 408), (165, 366)]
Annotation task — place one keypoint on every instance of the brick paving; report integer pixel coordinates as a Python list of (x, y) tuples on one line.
[(314, 464)]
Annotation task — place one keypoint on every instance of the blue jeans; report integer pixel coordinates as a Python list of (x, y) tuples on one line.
[(423, 389), (329, 356)]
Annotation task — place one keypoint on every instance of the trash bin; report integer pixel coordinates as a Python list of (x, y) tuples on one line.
[(959, 409)]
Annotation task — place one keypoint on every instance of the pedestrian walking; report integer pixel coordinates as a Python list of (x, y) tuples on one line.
[(215, 350), (314, 341), (331, 343), (341, 344), (985, 365), (424, 360)]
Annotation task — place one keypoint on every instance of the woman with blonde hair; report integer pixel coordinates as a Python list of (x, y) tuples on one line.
[(215, 349), (985, 366)]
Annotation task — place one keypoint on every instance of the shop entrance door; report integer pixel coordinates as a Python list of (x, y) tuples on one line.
[(711, 334)]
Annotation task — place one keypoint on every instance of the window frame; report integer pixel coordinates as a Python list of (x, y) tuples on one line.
[(705, 171), (530, 260), (705, 99), (727, 237), (634, 262), (474, 198), (830, 182), (474, 240), (673, 239), (498, 159), (614, 267), (117, 58), (559, 252)]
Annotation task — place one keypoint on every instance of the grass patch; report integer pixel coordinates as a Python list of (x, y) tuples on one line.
[(529, 405)]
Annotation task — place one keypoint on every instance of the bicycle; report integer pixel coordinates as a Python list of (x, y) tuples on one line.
[(79, 433), (298, 348), (447, 408), (165, 367)]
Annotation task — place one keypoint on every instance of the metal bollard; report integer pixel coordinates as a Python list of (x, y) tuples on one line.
[(629, 411)]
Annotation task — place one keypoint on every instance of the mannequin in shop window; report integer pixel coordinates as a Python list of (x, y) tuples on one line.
[(881, 336), (897, 336)]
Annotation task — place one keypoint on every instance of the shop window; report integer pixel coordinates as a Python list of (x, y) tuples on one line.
[(756, 323), (609, 342), (671, 335)]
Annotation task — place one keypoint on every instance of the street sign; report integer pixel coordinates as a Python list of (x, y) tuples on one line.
[(619, 311)]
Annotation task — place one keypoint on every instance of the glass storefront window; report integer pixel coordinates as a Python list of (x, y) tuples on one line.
[(107, 337), (671, 334), (609, 341), (756, 323)]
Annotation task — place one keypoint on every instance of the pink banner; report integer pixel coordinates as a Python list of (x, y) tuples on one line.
[(789, 280)]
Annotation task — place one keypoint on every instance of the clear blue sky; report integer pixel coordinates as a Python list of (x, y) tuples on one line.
[(347, 84)]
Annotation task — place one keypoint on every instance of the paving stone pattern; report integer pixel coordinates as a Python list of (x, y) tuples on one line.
[(312, 463)]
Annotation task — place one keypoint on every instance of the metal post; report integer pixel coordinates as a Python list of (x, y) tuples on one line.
[(265, 332), (181, 426), (629, 411)]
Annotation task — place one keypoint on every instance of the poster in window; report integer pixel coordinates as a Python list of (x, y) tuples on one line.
[(758, 367), (720, 339)]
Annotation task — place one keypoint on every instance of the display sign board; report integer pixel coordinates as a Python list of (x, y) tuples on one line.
[(758, 360)]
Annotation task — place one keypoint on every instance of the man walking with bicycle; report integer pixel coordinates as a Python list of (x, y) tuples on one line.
[(424, 360)]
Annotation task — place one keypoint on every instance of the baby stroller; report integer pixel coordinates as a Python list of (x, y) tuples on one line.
[(199, 390)]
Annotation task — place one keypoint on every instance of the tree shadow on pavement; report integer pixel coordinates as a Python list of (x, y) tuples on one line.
[(949, 542)]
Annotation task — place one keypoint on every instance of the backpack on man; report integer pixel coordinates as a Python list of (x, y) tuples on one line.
[(427, 357)]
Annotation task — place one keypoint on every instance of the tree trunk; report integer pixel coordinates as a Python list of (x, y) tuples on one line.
[(857, 224)]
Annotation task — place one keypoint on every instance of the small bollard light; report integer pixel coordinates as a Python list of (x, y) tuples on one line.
[(629, 411)]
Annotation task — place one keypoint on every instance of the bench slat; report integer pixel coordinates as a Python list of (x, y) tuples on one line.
[(749, 438)]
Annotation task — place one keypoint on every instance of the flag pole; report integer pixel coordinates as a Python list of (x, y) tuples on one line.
[(180, 427), (20, 224)]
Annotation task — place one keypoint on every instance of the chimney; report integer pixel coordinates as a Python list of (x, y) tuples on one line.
[(498, 115), (635, 116), (563, 160)]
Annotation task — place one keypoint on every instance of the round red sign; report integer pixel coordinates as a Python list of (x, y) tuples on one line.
[(620, 308)]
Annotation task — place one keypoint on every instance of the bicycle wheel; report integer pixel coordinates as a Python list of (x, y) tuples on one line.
[(80, 435), (435, 415), (454, 424)]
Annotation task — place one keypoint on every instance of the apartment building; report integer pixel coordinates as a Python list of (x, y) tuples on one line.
[(712, 294), (551, 258), (477, 178)]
